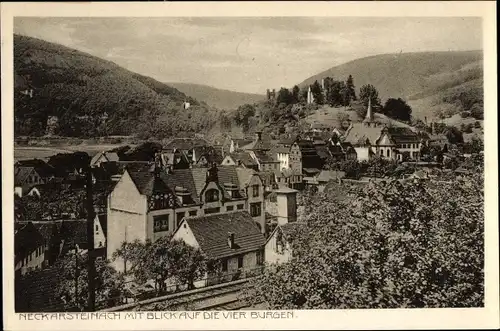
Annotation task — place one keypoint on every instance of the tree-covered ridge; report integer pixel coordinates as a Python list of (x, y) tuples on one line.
[(81, 90), (394, 245)]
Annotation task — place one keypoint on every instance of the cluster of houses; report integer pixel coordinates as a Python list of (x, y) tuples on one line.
[(237, 203)]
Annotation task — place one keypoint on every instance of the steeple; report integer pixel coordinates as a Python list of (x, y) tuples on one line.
[(369, 114)]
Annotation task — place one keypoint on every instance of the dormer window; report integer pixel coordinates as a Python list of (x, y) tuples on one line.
[(212, 195), (231, 189)]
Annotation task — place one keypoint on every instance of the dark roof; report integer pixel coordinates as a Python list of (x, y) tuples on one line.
[(21, 174), (211, 233), (27, 238), (258, 144), (403, 135), (41, 167), (242, 142), (264, 157), (244, 157), (184, 178), (311, 170), (147, 183)]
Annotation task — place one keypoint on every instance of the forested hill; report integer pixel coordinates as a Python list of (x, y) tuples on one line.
[(434, 83), (222, 99), (405, 74), (80, 88)]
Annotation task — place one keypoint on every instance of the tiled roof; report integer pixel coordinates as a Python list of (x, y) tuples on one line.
[(229, 175), (21, 174), (26, 239), (211, 233), (242, 142), (147, 183), (110, 156), (403, 135), (195, 179), (264, 157), (244, 157), (185, 178), (360, 134), (257, 145)]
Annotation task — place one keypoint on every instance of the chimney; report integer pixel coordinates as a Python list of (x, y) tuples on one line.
[(230, 239), (323, 84), (287, 205)]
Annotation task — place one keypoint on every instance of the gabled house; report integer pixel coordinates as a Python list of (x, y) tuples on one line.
[(265, 161), (175, 158), (30, 173), (151, 203), (232, 241), (309, 153), (240, 159), (258, 144), (104, 157), (29, 248), (237, 144)]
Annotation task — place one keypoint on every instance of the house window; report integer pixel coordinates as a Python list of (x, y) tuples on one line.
[(97, 228), (212, 195), (100, 243), (224, 265), (255, 189), (255, 209), (240, 207), (260, 257), (388, 152), (161, 223), (179, 217), (240, 261), (212, 210), (230, 208), (193, 213)]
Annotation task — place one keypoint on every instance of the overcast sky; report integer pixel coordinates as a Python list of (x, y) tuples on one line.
[(249, 54)]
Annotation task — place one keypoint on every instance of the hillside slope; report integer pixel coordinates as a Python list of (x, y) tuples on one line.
[(79, 88), (424, 79), (222, 99)]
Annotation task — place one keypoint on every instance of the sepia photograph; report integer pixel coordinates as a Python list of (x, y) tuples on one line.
[(256, 163)]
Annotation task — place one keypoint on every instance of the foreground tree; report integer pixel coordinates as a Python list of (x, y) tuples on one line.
[(73, 285), (395, 245), (162, 260)]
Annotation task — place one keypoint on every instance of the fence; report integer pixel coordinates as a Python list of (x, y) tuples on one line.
[(133, 294)]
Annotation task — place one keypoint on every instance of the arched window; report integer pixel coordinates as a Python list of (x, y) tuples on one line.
[(211, 195), (388, 152)]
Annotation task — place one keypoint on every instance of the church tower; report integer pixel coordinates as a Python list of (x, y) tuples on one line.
[(369, 114)]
